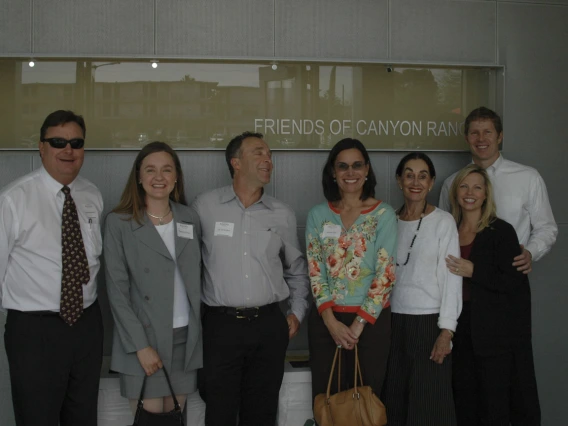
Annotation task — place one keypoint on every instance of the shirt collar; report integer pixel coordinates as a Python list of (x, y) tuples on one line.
[(493, 167), (53, 187), (228, 194)]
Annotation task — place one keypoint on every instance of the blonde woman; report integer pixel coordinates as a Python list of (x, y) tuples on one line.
[(493, 360)]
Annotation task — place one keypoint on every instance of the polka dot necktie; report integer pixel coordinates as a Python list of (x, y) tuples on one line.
[(75, 272)]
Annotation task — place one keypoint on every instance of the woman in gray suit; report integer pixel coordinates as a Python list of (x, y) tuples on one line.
[(152, 259)]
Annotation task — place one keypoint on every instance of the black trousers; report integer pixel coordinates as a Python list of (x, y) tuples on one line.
[(54, 368), (243, 367), (374, 345), (417, 391), (493, 390)]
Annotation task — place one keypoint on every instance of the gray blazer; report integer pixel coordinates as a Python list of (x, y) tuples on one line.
[(140, 285)]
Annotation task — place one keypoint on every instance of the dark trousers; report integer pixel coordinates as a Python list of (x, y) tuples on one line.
[(243, 367), (373, 347), (493, 390), (417, 391), (54, 368)]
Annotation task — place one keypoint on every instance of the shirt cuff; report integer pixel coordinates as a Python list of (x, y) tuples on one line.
[(298, 315), (535, 252), (366, 316), (447, 323)]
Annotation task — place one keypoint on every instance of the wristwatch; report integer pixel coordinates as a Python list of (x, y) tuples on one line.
[(361, 319)]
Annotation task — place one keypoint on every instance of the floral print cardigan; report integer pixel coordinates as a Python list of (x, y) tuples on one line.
[(352, 270)]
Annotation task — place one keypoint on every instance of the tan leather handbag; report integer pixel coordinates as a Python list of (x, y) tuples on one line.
[(358, 406)]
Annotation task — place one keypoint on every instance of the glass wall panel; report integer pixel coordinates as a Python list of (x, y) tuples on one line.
[(201, 105)]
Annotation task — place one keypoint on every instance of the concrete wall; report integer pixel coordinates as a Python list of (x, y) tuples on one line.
[(529, 37)]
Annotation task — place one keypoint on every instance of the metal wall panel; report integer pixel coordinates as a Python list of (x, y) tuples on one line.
[(15, 26), (443, 31), (297, 177), (215, 28), (203, 171), (547, 2), (533, 46), (109, 173), (356, 29), (84, 27), (385, 179), (12, 166), (536, 88), (550, 335)]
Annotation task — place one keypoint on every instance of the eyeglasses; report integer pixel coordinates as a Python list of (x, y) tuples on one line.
[(62, 143), (357, 165)]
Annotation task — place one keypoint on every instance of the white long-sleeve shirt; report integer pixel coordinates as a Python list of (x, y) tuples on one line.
[(522, 200), (30, 240), (425, 286)]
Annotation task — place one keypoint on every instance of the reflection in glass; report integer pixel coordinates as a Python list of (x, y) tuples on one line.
[(203, 105)]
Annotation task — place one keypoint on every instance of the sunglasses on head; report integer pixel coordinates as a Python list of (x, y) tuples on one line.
[(62, 143)]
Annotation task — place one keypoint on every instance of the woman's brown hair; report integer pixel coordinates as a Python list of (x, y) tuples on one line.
[(133, 199)]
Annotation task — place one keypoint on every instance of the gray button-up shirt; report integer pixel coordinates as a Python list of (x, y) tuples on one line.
[(251, 256)]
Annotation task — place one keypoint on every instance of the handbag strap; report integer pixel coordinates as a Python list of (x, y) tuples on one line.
[(337, 350), (358, 376), (339, 356), (141, 399)]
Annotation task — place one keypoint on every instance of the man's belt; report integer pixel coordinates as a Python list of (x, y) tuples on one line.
[(242, 312)]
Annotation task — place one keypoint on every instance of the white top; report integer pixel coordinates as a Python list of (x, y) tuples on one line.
[(522, 200), (181, 302), (425, 286), (30, 240)]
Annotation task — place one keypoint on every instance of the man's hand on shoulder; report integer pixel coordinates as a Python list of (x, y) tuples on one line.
[(293, 325), (523, 261)]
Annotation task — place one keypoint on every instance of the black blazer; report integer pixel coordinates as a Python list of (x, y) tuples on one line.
[(500, 295)]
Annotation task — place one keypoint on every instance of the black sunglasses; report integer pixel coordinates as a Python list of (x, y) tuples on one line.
[(62, 143)]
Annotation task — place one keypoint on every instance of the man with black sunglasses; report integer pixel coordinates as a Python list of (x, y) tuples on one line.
[(50, 243)]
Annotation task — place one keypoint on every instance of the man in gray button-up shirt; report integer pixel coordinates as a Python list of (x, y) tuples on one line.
[(251, 261)]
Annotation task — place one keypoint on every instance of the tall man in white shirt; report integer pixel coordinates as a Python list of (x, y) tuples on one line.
[(522, 200), (251, 262), (50, 242), (519, 191)]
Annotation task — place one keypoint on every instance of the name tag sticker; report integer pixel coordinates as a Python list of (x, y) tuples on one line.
[(224, 228), (90, 210), (331, 231), (185, 230)]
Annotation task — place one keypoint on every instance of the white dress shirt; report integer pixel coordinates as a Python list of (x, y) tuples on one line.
[(522, 200), (424, 285), (30, 240)]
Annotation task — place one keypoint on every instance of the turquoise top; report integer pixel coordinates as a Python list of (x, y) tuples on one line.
[(352, 270)]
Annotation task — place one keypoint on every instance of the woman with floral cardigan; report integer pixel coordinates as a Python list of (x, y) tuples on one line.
[(351, 248)]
